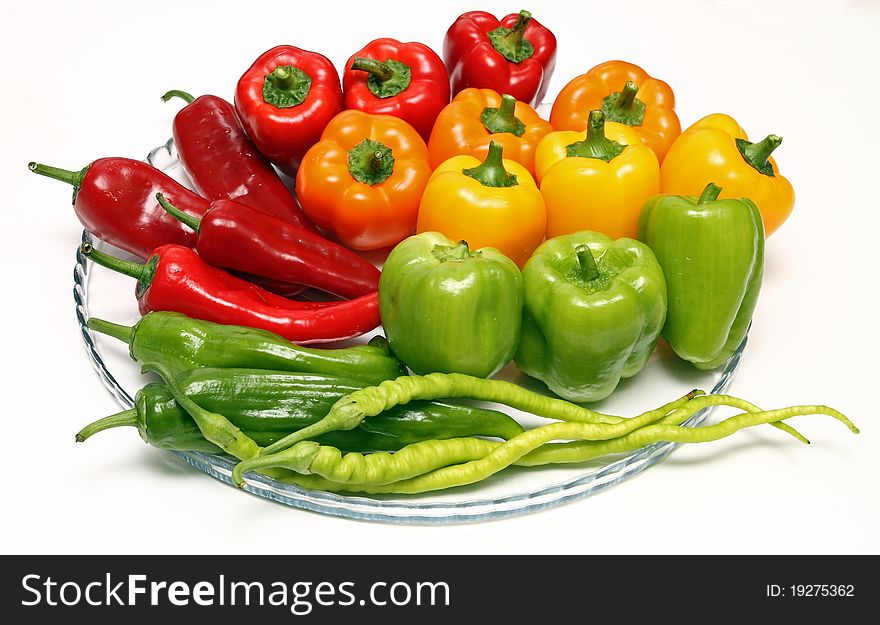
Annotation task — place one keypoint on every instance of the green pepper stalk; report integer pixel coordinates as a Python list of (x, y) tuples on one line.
[(491, 172), (510, 42), (624, 107), (386, 78)]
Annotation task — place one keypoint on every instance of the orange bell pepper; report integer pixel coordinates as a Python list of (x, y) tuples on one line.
[(716, 149), (476, 117), (364, 179), (490, 204), (627, 95), (596, 180)]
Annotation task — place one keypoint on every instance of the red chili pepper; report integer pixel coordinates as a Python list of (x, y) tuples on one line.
[(224, 164), (284, 100), (406, 80), (115, 199), (176, 279), (234, 236), (515, 55)]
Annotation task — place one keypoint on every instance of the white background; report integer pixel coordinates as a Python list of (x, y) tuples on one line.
[(82, 80)]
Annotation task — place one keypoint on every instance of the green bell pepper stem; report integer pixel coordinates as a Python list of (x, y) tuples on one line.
[(709, 194), (386, 78), (214, 427), (120, 419), (503, 118), (756, 154), (595, 144), (184, 218), (116, 330), (587, 263), (491, 172), (176, 93)]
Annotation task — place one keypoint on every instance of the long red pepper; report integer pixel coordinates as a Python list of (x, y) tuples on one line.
[(235, 236), (224, 164), (115, 199), (176, 279)]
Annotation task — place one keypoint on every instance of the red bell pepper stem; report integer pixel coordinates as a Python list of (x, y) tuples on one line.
[(73, 178), (377, 68), (177, 93)]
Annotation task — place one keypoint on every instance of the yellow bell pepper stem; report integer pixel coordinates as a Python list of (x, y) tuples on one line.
[(491, 172), (756, 154), (596, 144)]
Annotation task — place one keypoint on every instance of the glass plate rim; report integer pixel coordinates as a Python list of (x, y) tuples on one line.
[(399, 511)]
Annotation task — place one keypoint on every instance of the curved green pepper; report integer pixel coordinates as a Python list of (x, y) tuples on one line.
[(268, 405), (594, 307), (449, 309), (180, 343), (712, 252)]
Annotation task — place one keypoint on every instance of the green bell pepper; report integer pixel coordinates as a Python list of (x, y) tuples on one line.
[(594, 307), (712, 252), (450, 309)]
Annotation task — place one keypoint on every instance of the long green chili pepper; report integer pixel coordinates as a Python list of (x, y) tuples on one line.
[(350, 411), (180, 343), (505, 454), (412, 460)]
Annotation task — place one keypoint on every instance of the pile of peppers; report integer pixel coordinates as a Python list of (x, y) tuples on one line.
[(567, 247)]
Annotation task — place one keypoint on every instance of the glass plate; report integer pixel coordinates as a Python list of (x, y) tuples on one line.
[(511, 492)]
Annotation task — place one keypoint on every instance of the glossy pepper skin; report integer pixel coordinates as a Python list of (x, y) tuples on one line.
[(712, 253), (115, 199), (235, 236), (594, 308), (627, 95), (284, 100), (363, 180), (224, 164), (476, 117), (490, 204), (176, 279), (267, 405), (515, 55), (716, 149), (405, 80), (448, 308), (596, 180), (180, 343)]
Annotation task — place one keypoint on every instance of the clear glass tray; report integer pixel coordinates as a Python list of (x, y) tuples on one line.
[(98, 291)]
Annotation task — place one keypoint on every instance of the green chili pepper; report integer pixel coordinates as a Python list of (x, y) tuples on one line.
[(594, 308), (268, 405), (180, 343), (448, 308), (308, 457), (712, 253)]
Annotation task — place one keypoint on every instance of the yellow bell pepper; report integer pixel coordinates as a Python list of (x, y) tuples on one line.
[(596, 180), (716, 149), (495, 203)]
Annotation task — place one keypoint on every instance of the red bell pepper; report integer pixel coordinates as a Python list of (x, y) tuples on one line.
[(176, 279), (515, 55), (235, 236), (224, 164), (115, 199), (284, 100), (406, 80)]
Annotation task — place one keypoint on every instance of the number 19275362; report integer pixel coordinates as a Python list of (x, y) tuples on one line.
[(811, 590)]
